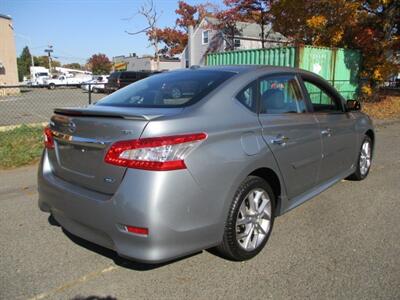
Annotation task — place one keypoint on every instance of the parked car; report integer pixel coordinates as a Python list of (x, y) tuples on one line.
[(64, 80), (165, 177), (96, 85), (119, 80)]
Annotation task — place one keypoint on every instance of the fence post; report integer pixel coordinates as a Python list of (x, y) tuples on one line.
[(90, 93)]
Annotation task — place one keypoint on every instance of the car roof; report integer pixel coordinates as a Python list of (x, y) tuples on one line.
[(265, 69), (241, 69)]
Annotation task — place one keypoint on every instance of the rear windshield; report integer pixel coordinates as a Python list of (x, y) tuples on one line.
[(170, 89)]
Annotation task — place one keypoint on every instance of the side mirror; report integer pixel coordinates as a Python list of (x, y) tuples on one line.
[(353, 105)]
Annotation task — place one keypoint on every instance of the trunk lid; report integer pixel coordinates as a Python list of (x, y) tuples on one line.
[(83, 136)]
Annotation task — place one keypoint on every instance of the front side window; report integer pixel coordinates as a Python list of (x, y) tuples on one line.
[(205, 36), (280, 95), (169, 89), (321, 100)]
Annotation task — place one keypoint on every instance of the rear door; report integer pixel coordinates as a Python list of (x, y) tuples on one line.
[(290, 131), (337, 128)]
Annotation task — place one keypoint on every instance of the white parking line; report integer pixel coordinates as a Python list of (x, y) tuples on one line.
[(73, 283), (10, 99)]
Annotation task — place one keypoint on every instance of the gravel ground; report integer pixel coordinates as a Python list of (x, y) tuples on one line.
[(343, 244)]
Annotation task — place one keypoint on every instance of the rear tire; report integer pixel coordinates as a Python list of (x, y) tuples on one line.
[(250, 220), (52, 86), (364, 160)]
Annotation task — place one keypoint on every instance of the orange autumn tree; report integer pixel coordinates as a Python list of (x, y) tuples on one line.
[(373, 27), (174, 39), (254, 11)]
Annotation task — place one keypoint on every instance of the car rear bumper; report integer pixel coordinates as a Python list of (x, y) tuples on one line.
[(178, 223)]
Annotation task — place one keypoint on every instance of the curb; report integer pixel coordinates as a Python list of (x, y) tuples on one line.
[(11, 127)]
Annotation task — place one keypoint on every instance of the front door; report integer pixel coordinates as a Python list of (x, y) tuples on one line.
[(337, 130), (291, 132)]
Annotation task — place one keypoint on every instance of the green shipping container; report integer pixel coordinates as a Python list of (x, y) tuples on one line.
[(339, 66)]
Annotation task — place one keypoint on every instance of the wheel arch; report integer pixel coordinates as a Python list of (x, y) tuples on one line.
[(273, 180), (370, 133)]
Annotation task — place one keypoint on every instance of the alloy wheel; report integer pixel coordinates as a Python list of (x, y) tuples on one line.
[(253, 221), (365, 158)]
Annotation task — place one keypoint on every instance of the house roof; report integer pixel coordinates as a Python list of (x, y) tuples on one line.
[(247, 30), (250, 30)]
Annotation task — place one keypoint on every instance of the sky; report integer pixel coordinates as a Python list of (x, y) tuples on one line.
[(79, 28)]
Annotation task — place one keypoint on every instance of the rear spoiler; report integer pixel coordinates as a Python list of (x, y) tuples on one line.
[(106, 112)]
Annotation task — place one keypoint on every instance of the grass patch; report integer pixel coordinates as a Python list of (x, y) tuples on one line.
[(388, 108), (20, 146)]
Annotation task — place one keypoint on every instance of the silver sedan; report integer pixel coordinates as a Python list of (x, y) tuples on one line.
[(155, 175)]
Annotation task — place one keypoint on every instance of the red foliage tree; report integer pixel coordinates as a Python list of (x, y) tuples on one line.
[(99, 64), (227, 23), (257, 11), (187, 14), (174, 40)]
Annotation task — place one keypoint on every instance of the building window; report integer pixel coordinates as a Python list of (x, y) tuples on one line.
[(236, 43), (205, 37)]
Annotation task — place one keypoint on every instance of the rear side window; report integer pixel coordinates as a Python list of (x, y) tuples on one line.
[(248, 96), (281, 95), (170, 89)]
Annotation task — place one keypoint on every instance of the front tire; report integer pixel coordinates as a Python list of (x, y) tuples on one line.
[(250, 220), (364, 160)]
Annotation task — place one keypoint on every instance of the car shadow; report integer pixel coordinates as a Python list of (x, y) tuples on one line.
[(118, 260), (94, 298)]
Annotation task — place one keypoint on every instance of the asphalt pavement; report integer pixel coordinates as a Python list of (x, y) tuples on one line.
[(343, 244)]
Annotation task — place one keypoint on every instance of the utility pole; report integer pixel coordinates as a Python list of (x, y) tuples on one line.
[(49, 50)]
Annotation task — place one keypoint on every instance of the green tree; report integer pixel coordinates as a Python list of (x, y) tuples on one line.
[(23, 63), (43, 61), (99, 64), (75, 65)]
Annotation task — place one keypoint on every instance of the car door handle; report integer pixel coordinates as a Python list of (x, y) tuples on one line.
[(280, 140), (326, 132)]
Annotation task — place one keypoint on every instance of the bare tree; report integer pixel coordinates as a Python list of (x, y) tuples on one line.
[(149, 11)]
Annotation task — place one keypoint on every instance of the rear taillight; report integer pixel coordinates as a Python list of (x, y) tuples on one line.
[(158, 154), (137, 230), (48, 138)]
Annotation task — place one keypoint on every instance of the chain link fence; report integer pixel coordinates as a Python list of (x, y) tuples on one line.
[(31, 105)]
